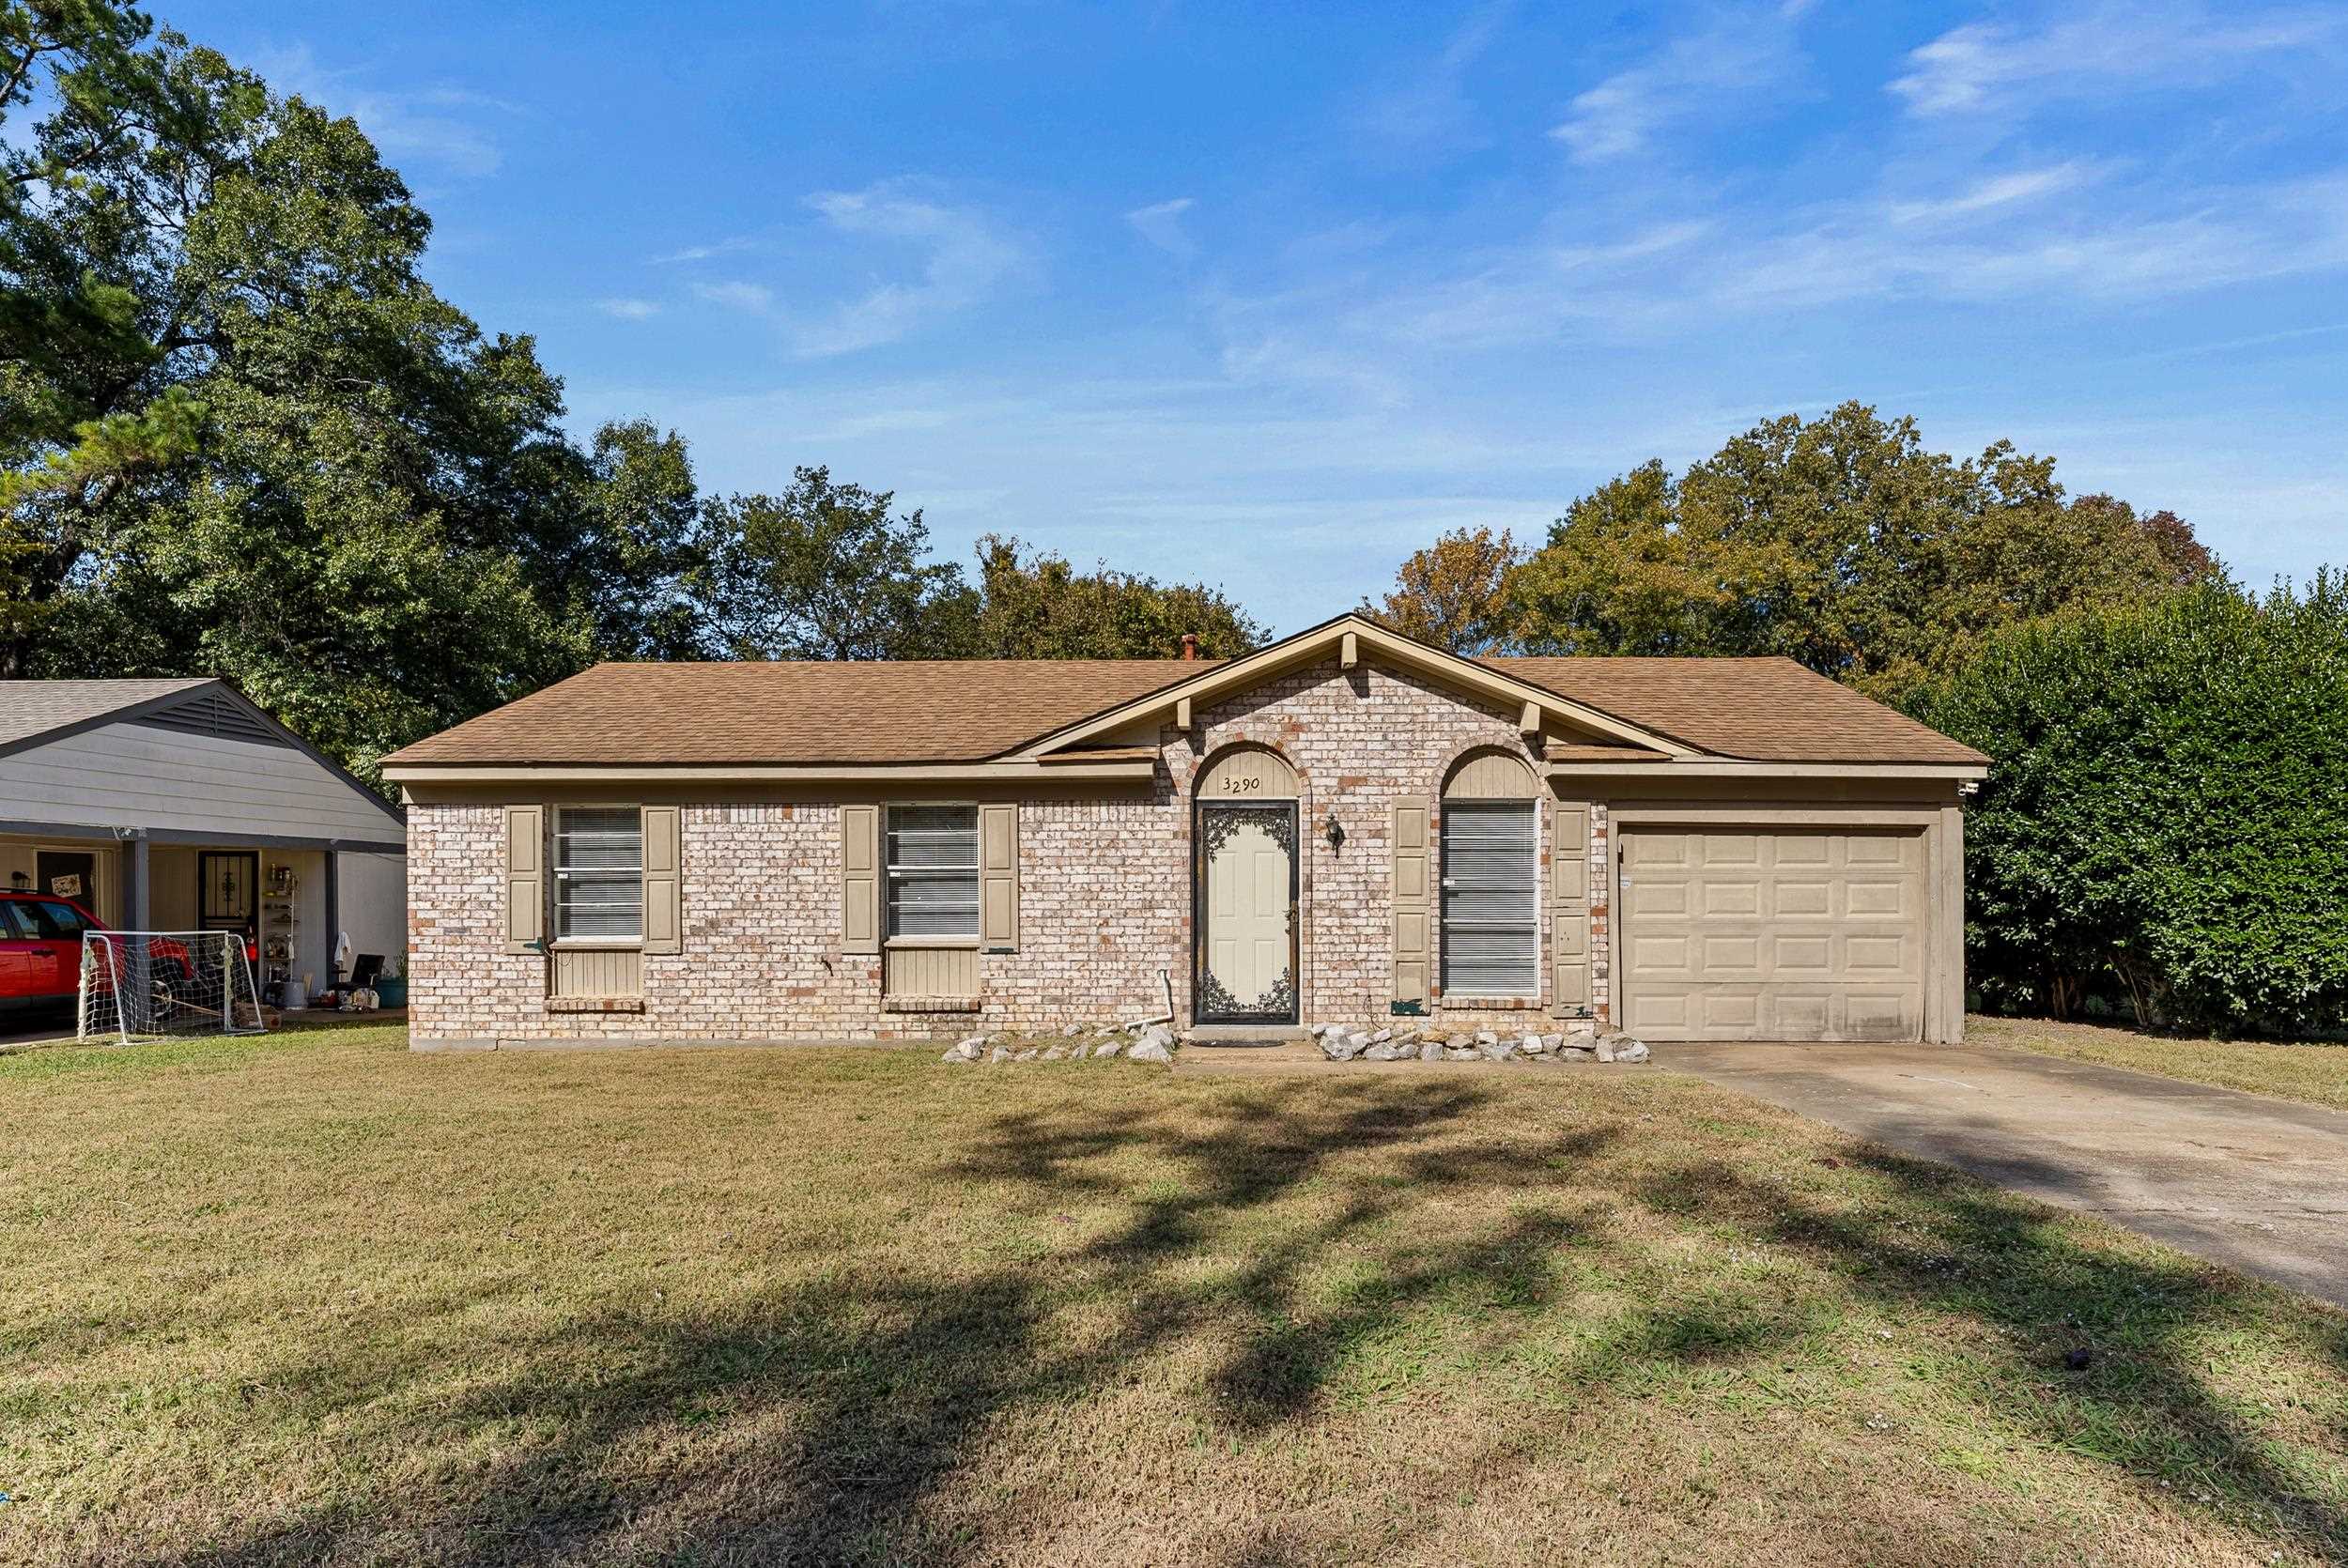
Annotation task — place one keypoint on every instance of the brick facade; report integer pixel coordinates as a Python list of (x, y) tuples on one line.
[(1106, 892)]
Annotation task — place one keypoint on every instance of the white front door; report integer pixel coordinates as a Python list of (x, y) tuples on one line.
[(1247, 950)]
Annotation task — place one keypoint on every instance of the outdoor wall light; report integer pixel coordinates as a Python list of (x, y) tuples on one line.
[(1334, 831)]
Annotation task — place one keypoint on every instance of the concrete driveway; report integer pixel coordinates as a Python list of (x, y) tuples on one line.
[(2256, 1183)]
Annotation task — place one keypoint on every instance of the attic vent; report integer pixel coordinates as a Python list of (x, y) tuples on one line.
[(211, 714)]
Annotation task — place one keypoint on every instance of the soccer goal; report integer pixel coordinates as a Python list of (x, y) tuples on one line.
[(153, 985)]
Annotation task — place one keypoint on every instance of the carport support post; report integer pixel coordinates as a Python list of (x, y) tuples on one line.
[(135, 991)]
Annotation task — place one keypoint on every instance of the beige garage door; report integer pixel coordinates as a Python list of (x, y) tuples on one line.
[(1757, 935)]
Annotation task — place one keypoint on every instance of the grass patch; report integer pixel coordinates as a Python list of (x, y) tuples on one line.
[(2313, 1072), (332, 1301)]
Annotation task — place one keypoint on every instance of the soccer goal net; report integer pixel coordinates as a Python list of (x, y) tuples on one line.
[(150, 985)]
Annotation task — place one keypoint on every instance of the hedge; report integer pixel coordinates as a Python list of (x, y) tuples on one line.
[(2166, 819)]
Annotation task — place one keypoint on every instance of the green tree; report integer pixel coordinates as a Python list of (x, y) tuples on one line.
[(1455, 594), (241, 434), (1033, 605), (824, 571), (2166, 822), (1841, 543)]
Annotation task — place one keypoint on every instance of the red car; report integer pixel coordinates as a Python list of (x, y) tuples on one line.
[(40, 952)]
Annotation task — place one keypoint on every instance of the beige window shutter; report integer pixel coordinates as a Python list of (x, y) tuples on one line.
[(1414, 956), (859, 879), (664, 880), (1569, 906), (998, 877), (525, 879)]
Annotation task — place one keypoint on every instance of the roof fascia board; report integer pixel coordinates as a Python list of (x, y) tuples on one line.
[(1307, 646), (1134, 770), (1724, 768)]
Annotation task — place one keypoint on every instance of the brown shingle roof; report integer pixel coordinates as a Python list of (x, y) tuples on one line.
[(962, 711), (797, 713), (1769, 710)]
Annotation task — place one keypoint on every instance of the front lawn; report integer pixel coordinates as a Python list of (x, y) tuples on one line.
[(2309, 1071), (316, 1298)]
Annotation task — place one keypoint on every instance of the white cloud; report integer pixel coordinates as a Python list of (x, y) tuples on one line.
[(1741, 54), (1984, 66), (757, 299), (1997, 190), (440, 127), (703, 253), (1161, 224), (628, 309), (1430, 111), (963, 257)]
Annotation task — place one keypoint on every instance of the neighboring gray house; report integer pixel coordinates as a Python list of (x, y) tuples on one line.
[(177, 805)]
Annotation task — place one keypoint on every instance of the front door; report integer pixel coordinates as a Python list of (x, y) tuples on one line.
[(1246, 914), (228, 890)]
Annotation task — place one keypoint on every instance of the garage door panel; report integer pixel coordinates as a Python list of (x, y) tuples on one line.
[(1798, 1016), (1656, 895), (1797, 898), (1728, 898), (1755, 935), (1732, 957)]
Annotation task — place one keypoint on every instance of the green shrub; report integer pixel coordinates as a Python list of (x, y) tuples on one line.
[(2167, 817)]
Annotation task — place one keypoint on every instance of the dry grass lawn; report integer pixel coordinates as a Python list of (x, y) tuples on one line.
[(316, 1300), (2307, 1071)]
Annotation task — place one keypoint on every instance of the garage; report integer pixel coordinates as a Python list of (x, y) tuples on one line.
[(1774, 934)]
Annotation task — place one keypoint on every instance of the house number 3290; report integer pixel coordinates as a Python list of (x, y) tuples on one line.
[(1234, 784)]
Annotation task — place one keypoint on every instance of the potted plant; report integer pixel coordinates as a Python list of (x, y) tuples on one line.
[(390, 987)]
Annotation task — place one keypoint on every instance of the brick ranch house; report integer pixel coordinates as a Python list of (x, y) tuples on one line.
[(1344, 825)]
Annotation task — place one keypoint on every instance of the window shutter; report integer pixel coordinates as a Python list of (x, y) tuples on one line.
[(859, 879), (664, 880), (998, 877), (1411, 960), (1568, 907), (525, 879)]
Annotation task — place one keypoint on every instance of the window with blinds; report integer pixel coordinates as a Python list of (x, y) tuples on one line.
[(1490, 923), (933, 855), (598, 874)]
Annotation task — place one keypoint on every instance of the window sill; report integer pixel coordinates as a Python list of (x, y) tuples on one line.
[(968, 943), (598, 944), (594, 1004), (929, 1003), (1489, 1004)]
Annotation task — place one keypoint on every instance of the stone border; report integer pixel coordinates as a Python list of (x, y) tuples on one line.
[(1581, 1041)]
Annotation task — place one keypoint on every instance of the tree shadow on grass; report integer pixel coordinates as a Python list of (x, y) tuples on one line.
[(848, 1418), (2101, 1335)]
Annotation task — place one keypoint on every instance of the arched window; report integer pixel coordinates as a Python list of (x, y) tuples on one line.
[(1490, 878)]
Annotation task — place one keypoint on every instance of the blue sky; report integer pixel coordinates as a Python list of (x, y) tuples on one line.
[(1270, 296)]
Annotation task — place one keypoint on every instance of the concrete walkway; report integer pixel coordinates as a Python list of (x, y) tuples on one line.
[(2256, 1183)]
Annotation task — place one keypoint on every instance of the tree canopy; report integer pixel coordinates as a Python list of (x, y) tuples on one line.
[(1842, 541), (1455, 593)]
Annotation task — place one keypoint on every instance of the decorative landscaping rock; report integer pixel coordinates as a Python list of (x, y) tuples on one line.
[(1487, 1036), (1460, 1053), (1055, 1055), (1001, 1053), (1629, 1050), (1390, 1051), (964, 1053), (1079, 1051), (1576, 1053), (1148, 1050), (1532, 1045), (1027, 1055), (1430, 1050), (1111, 1049), (1498, 1050), (1340, 1048)]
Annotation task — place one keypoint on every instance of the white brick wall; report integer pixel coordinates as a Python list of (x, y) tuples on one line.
[(1104, 892)]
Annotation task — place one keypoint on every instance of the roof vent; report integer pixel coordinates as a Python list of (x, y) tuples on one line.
[(213, 713)]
